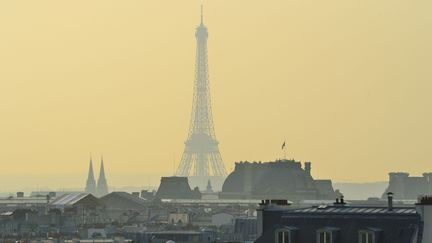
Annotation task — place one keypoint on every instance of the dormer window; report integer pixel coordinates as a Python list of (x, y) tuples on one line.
[(285, 235), (326, 235), (368, 236)]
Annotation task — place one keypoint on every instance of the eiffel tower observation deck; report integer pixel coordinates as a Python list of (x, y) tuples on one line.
[(201, 160)]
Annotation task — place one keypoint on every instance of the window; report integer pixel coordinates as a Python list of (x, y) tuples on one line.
[(366, 236), (325, 237), (285, 235)]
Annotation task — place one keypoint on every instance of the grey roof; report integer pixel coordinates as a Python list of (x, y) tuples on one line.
[(23, 200), (278, 179), (354, 210), (175, 187), (45, 193), (68, 199), (126, 196)]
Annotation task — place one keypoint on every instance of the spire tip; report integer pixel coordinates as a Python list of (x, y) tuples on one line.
[(202, 15)]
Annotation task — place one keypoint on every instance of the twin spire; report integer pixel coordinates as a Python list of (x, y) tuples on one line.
[(101, 188)]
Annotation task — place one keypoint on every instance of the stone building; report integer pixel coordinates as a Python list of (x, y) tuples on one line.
[(176, 187), (278, 179), (178, 218), (406, 187), (343, 223), (122, 206), (80, 209)]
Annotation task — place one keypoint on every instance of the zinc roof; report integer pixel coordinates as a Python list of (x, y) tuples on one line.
[(68, 199), (355, 210)]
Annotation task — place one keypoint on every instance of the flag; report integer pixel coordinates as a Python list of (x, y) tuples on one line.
[(283, 145)]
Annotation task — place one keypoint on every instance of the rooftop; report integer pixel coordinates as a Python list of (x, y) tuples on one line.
[(68, 199), (126, 196), (354, 210)]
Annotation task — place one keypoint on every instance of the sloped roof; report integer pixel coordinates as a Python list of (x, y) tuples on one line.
[(126, 196), (69, 200), (23, 200), (354, 210), (176, 187)]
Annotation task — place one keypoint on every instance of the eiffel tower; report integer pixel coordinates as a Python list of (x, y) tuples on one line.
[(201, 156)]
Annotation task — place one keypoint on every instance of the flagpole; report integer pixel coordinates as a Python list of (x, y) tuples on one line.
[(284, 149)]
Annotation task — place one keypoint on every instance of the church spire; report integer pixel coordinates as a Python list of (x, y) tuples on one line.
[(91, 183), (102, 186), (102, 169)]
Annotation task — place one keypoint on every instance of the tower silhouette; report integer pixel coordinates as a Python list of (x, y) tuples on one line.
[(201, 156), (102, 186), (91, 182)]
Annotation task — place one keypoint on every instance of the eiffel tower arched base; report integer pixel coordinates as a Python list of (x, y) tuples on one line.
[(201, 182)]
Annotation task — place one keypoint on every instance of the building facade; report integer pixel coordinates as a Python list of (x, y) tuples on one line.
[(342, 223), (406, 187), (176, 187), (277, 179)]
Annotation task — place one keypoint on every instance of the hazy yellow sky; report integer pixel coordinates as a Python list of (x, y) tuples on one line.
[(347, 83)]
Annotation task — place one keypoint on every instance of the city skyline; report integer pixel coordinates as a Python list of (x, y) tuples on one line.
[(344, 93)]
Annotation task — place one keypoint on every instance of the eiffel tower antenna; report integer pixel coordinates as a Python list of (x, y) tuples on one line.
[(201, 156), (202, 15)]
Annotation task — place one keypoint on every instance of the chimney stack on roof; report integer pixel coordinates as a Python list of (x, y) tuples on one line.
[(339, 201), (390, 201), (279, 202), (308, 167)]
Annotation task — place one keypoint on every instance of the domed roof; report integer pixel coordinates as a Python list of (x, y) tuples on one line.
[(283, 177)]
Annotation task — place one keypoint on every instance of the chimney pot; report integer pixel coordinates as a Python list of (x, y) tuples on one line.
[(390, 201)]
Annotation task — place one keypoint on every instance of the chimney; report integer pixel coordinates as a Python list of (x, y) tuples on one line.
[(390, 201), (308, 167), (424, 208), (267, 210), (340, 202)]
